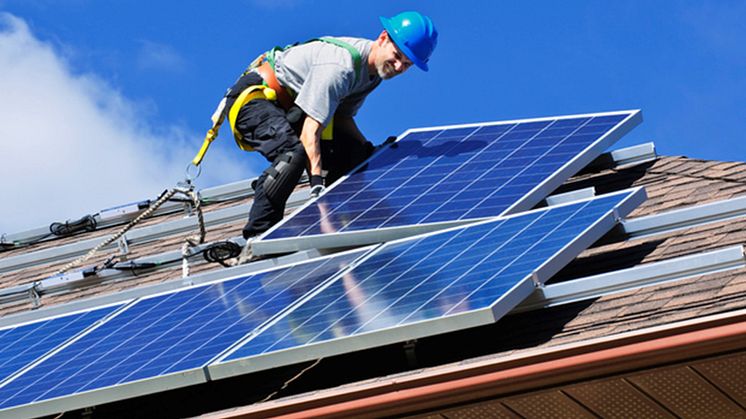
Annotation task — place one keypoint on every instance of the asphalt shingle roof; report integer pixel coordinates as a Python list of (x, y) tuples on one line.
[(670, 182)]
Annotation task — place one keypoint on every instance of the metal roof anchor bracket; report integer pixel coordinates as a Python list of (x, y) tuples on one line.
[(187, 206), (124, 248), (535, 279), (186, 188), (34, 295), (571, 196)]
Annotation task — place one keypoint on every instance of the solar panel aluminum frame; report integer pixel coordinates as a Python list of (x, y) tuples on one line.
[(519, 292), (160, 383), (108, 394), (529, 200)]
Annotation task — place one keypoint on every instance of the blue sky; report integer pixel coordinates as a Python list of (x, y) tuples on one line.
[(133, 84)]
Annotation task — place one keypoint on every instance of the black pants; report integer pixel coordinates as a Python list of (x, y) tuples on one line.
[(265, 127)]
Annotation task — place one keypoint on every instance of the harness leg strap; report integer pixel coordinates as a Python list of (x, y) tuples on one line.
[(284, 173)]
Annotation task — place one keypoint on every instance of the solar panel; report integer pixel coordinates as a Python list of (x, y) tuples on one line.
[(21, 345), (436, 177), (445, 281), (163, 341)]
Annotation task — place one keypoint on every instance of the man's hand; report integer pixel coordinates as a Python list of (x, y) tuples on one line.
[(317, 186), (391, 139)]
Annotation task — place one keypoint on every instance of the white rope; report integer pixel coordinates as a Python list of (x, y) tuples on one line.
[(119, 234), (195, 240), (191, 241)]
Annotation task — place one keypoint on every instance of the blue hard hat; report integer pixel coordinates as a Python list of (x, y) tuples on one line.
[(414, 34)]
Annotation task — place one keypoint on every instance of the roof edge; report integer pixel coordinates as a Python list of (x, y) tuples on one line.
[(490, 378)]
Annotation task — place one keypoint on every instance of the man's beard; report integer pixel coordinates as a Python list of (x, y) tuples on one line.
[(385, 70)]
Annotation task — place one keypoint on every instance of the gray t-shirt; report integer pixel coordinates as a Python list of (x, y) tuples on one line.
[(323, 77)]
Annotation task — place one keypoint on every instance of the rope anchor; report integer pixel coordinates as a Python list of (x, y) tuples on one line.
[(192, 172), (195, 240), (191, 241)]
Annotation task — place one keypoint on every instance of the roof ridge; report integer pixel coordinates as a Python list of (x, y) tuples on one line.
[(710, 171), (694, 176)]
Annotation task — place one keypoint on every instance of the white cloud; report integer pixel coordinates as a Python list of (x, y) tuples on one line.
[(156, 56), (72, 144)]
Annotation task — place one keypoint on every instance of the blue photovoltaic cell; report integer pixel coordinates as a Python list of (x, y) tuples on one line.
[(449, 174), (433, 277), (169, 333), (22, 345)]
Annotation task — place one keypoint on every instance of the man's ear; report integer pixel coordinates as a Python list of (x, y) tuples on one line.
[(382, 37)]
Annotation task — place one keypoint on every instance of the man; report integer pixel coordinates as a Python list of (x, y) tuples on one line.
[(315, 89)]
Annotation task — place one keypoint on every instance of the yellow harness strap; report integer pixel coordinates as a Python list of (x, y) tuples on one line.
[(326, 134), (258, 91), (261, 92), (249, 94), (217, 119)]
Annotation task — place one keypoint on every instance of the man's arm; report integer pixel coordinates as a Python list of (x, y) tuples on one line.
[(310, 137)]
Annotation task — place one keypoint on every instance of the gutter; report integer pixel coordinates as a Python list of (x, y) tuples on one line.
[(457, 384)]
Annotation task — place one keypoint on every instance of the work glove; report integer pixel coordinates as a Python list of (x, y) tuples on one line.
[(317, 185), (391, 139)]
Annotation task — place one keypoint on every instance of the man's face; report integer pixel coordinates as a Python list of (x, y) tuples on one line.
[(390, 61)]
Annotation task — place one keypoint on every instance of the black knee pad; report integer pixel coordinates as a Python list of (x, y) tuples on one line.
[(283, 175)]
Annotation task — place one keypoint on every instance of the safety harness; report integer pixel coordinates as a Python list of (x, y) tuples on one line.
[(270, 90)]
